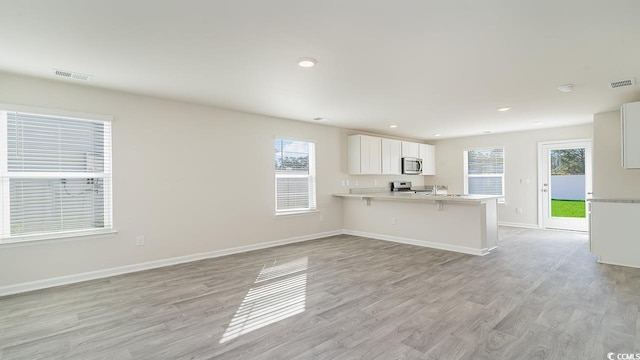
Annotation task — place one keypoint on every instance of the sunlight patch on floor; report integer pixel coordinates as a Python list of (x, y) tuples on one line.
[(273, 301)]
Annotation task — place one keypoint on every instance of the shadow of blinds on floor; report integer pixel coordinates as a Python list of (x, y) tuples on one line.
[(282, 295)]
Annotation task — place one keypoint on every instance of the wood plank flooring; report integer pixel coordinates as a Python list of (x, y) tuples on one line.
[(539, 295)]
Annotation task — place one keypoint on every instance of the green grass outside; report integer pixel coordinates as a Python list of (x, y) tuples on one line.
[(568, 208)]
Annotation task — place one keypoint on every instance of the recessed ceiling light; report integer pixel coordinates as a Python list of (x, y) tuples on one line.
[(566, 87), (307, 62), (437, 134), (538, 123), (486, 132), (506, 108), (319, 119), (393, 126)]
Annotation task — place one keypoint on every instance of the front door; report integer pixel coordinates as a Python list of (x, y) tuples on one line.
[(564, 184)]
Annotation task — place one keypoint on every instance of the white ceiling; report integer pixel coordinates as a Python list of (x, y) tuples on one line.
[(428, 66)]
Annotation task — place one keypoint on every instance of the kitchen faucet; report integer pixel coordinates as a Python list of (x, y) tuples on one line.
[(443, 188)]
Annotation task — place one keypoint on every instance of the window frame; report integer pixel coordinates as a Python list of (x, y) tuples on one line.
[(311, 181), (465, 166), (5, 176)]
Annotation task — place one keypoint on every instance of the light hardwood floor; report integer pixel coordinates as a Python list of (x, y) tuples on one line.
[(540, 295)]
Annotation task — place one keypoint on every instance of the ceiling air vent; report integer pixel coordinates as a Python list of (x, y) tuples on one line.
[(71, 74), (622, 83)]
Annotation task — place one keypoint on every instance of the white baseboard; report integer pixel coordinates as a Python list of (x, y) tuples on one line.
[(423, 243), (519, 225), (618, 263), (92, 275), (99, 274)]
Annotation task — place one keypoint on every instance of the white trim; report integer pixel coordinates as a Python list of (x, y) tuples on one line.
[(565, 141), (296, 213), (518, 225), (466, 175), (539, 183), (423, 243), (616, 263), (99, 274), (56, 175), (541, 171), (37, 239), (5, 208), (311, 181), (5, 201), (76, 115)]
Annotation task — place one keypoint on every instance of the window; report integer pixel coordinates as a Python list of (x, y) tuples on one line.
[(55, 174), (484, 171), (295, 168)]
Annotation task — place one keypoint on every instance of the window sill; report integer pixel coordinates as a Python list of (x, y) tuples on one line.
[(296, 213), (53, 238)]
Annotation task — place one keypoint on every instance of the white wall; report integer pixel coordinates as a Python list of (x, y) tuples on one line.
[(189, 178), (610, 179), (521, 163), (180, 178)]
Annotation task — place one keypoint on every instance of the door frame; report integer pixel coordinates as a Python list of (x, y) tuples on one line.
[(541, 155)]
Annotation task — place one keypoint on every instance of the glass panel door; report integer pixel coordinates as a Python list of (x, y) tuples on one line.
[(566, 182)]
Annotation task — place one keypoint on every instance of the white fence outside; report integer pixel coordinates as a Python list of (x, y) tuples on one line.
[(567, 187)]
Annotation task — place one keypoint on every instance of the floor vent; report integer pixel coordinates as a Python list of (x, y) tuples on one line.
[(71, 75), (622, 83)]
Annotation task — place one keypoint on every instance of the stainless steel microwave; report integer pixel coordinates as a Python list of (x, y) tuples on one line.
[(411, 166)]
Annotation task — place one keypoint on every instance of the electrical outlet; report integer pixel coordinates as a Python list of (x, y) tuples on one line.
[(139, 240), (321, 218), (394, 221), (518, 210), (375, 182), (342, 182), (356, 182)]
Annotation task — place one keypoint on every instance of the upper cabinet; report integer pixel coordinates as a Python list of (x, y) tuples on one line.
[(428, 156), (374, 155), (365, 154), (630, 117), (391, 156), (410, 149)]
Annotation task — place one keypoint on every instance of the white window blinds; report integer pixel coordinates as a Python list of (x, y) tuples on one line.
[(295, 175), (484, 171), (56, 176)]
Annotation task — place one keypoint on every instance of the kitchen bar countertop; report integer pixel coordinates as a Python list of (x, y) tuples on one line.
[(616, 200), (410, 196), (463, 223)]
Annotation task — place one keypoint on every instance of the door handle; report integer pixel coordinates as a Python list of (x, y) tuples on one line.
[(545, 190)]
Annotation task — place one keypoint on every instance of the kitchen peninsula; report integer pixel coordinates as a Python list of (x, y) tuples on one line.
[(461, 223)]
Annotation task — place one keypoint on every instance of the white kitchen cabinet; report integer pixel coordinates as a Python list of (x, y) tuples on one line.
[(428, 156), (410, 149), (630, 117), (391, 156), (614, 231), (365, 154)]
